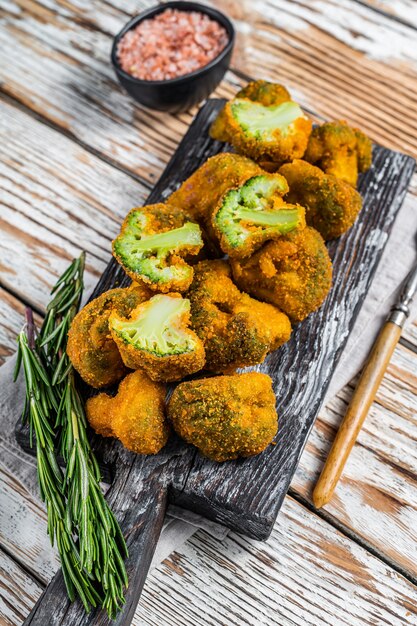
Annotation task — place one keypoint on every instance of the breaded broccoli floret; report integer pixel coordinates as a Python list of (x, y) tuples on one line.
[(201, 192), (331, 204), (136, 415), (260, 91), (151, 246), (248, 216), (157, 339), (90, 346), (237, 330), (277, 131), (294, 273), (225, 417), (340, 150)]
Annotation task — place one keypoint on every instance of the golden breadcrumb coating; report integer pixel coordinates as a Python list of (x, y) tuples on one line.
[(264, 92), (340, 150), (237, 331), (332, 205), (154, 245), (90, 347), (226, 417), (260, 91), (263, 123), (157, 338), (201, 192), (294, 273), (135, 415)]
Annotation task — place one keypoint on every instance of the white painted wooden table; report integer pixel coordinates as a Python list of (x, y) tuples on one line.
[(76, 154)]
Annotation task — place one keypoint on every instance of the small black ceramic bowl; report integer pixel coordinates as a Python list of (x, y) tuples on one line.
[(176, 94)]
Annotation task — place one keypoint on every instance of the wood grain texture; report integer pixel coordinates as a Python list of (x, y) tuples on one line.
[(362, 399), (306, 574), (50, 213), (28, 543), (378, 486), (402, 10), (379, 506), (18, 591), (62, 47), (65, 48), (12, 318)]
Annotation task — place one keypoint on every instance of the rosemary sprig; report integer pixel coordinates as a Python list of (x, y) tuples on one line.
[(88, 537)]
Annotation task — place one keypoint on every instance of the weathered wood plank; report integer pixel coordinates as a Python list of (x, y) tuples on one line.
[(12, 317), (305, 574), (177, 172), (99, 12), (379, 483), (55, 202), (379, 505), (23, 527), (334, 56), (410, 333), (73, 84), (404, 10), (18, 592), (293, 576)]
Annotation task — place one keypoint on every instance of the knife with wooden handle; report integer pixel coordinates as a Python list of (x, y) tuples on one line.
[(365, 392)]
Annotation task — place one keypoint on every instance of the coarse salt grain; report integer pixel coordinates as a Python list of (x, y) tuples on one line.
[(171, 44)]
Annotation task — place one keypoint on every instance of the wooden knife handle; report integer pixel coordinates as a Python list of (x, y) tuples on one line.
[(363, 397), (139, 502)]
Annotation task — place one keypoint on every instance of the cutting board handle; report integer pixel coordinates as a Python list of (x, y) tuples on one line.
[(139, 504)]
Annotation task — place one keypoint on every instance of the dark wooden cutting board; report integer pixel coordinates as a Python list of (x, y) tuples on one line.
[(247, 494)]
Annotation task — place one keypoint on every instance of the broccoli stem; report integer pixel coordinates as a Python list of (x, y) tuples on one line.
[(155, 329), (187, 235), (257, 119), (284, 219)]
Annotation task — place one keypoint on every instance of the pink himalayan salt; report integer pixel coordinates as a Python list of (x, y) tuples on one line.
[(171, 44)]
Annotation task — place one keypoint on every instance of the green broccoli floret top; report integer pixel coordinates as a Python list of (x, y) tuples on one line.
[(151, 252), (255, 213), (262, 122), (157, 326)]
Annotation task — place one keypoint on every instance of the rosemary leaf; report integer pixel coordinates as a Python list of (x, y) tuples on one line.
[(80, 522)]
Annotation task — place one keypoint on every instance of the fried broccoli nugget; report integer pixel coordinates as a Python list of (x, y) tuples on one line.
[(90, 347), (248, 216), (331, 204), (152, 244), (271, 128), (293, 273), (202, 191), (157, 339), (225, 417), (340, 150), (268, 94), (135, 415), (237, 330)]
